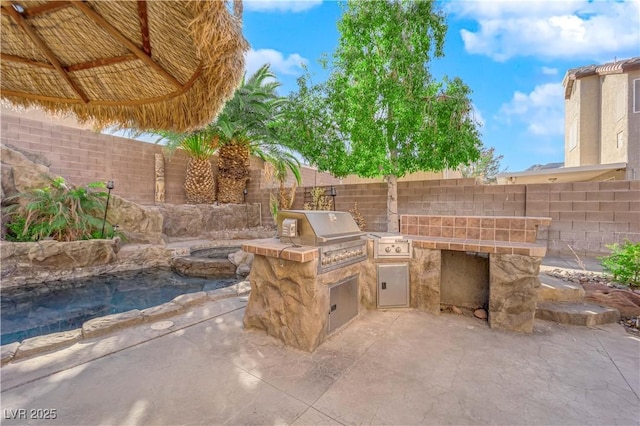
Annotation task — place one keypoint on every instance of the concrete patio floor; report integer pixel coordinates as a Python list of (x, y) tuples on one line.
[(386, 367)]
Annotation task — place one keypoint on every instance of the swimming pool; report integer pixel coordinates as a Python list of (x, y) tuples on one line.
[(64, 305)]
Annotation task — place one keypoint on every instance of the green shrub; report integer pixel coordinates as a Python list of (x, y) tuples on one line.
[(59, 212), (623, 263)]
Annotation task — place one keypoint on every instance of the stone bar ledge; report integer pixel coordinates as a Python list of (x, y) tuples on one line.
[(272, 247), (480, 246)]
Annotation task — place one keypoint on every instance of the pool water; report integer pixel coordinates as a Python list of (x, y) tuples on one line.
[(64, 305)]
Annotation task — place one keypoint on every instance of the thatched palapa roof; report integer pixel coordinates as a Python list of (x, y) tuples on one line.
[(133, 63)]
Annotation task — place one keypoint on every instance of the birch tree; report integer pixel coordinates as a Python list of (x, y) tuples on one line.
[(381, 113)]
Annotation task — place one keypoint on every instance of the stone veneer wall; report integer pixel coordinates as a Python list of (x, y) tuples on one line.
[(289, 300)]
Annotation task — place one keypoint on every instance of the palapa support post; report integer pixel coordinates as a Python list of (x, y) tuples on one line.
[(160, 188)]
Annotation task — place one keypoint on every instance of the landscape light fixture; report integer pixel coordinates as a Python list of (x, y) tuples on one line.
[(245, 192), (333, 194), (110, 186)]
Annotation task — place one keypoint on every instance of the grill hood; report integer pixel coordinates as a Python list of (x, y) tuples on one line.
[(318, 227)]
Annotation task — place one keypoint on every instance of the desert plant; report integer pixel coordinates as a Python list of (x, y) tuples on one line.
[(319, 201), (357, 217), (623, 263), (59, 211)]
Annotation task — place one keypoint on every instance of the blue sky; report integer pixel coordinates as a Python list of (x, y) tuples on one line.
[(513, 55)]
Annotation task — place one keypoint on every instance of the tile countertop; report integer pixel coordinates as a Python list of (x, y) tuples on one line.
[(272, 247), (482, 246)]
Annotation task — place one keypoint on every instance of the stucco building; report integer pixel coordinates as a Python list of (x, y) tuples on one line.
[(602, 116)]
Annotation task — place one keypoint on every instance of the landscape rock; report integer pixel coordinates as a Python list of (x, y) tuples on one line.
[(222, 293), (48, 342), (243, 270), (109, 323), (24, 173), (243, 287), (143, 256), (185, 220), (202, 267), (191, 299), (480, 313), (36, 157), (243, 261), (165, 310), (59, 255), (138, 223), (456, 310), (7, 352)]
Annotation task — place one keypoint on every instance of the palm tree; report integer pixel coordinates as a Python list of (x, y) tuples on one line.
[(199, 145), (245, 127)]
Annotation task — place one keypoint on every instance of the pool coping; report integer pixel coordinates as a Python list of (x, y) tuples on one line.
[(107, 324)]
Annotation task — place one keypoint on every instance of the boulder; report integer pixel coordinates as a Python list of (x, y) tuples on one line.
[(243, 261), (139, 224), (187, 220), (22, 174), (202, 267), (60, 255)]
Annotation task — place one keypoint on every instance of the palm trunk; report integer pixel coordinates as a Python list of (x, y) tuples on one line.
[(199, 185), (233, 172)]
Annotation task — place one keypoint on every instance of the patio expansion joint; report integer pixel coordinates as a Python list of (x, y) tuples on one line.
[(44, 376), (616, 365)]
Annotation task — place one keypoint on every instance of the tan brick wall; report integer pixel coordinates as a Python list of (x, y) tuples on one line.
[(586, 216), (82, 156)]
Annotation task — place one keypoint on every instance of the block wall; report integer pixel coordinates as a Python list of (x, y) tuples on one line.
[(586, 216), (82, 156)]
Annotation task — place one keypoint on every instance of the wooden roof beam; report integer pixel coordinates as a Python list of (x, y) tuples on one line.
[(144, 26), (12, 58), (113, 31), (45, 8), (102, 62), (17, 17)]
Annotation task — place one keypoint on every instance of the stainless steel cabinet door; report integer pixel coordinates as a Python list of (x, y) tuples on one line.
[(393, 285)]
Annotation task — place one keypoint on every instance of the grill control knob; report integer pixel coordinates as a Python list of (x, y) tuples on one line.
[(387, 249), (398, 249)]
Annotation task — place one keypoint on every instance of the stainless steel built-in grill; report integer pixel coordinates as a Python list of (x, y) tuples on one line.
[(338, 238)]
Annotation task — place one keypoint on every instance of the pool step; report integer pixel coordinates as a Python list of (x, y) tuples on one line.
[(554, 289), (576, 313)]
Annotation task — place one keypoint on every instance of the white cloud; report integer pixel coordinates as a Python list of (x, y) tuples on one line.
[(290, 65), (550, 29), (479, 118), (542, 110), (549, 71), (280, 5)]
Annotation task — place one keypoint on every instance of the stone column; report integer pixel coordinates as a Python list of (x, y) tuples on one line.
[(424, 273), (287, 302), (159, 166), (513, 285)]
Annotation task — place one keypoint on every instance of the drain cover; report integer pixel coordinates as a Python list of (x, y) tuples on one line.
[(161, 325)]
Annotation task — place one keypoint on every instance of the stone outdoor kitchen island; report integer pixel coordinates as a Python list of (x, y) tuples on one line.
[(290, 295)]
